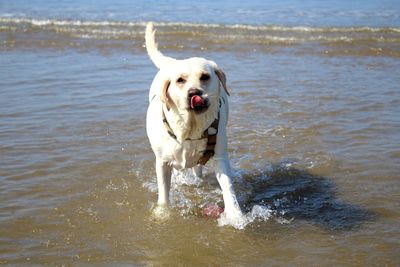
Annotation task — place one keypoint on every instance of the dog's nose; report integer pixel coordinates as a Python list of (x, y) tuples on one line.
[(194, 91)]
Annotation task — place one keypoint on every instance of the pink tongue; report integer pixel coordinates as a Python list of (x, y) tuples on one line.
[(196, 101)]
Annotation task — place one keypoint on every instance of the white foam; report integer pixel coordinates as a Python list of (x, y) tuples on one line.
[(161, 213), (151, 185), (185, 177), (47, 22), (261, 213), (257, 213)]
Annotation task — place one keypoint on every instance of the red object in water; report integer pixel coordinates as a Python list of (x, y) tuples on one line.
[(196, 101), (212, 211)]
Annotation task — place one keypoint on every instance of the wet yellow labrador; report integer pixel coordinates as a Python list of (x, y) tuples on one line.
[(186, 122)]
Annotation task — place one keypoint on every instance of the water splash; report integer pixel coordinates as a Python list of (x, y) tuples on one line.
[(160, 213), (190, 194), (258, 213)]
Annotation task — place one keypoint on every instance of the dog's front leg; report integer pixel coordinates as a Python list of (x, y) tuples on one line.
[(163, 171), (223, 173)]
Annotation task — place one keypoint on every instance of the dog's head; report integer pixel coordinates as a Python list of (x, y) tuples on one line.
[(192, 84)]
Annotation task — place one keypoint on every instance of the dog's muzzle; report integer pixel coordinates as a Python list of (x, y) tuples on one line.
[(197, 102)]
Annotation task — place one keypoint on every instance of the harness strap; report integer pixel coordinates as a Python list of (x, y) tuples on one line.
[(166, 124), (211, 138), (211, 142)]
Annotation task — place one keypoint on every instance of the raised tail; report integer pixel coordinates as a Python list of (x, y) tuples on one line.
[(155, 55)]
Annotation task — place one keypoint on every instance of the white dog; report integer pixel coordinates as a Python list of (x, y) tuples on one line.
[(186, 122)]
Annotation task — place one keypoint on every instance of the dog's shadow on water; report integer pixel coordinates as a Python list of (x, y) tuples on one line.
[(297, 194)]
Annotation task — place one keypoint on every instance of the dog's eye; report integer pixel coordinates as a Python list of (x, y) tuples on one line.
[(204, 77), (180, 80)]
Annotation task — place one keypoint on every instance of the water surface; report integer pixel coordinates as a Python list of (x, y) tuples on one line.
[(313, 134)]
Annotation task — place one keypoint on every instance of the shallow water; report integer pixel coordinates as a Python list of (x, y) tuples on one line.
[(313, 139)]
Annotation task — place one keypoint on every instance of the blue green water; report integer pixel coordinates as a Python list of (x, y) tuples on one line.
[(287, 12)]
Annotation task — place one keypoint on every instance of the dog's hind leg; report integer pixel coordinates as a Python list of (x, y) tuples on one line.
[(198, 171)]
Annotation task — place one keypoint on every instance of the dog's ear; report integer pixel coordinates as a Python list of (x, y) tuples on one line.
[(164, 93), (221, 76)]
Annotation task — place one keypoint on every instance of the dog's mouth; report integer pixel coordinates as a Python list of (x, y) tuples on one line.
[(198, 104)]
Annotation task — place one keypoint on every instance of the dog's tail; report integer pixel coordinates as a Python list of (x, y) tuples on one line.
[(155, 55)]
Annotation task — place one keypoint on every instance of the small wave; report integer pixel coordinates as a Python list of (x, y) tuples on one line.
[(81, 34), (274, 28), (47, 22), (309, 29)]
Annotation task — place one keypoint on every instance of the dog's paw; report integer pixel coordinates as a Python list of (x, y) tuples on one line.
[(235, 219), (161, 213)]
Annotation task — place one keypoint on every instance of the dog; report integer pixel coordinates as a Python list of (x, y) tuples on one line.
[(186, 122)]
